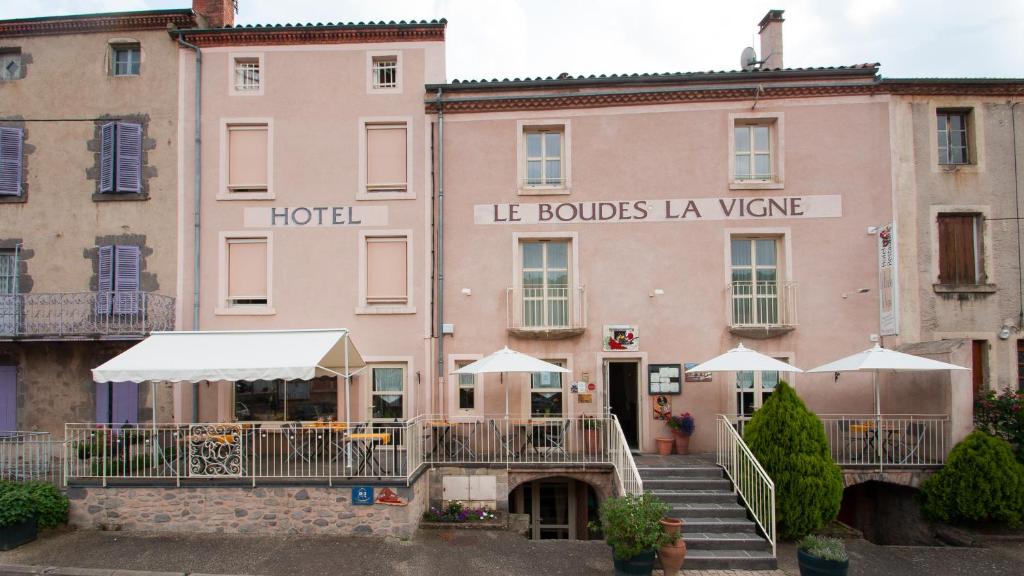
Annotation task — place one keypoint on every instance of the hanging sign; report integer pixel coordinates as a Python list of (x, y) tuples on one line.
[(888, 283)]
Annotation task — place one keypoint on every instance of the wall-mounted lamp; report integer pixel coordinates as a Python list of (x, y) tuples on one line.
[(874, 229), (656, 292), (1004, 333), (467, 292), (859, 291)]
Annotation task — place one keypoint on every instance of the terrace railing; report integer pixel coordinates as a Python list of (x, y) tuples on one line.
[(84, 315), (552, 311), (30, 456), (749, 479), (761, 305), (892, 441)]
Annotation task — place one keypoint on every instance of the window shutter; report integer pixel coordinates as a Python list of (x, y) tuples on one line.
[(126, 279), (247, 158), (957, 249), (385, 157), (103, 402), (129, 157), (10, 161), (107, 157), (247, 270), (106, 279), (386, 267)]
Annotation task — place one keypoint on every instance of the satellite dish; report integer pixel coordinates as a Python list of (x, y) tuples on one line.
[(748, 59)]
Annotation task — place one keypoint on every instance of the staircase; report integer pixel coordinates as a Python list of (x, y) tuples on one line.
[(717, 531)]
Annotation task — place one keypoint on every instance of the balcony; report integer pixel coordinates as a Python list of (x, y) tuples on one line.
[(762, 309), (84, 315), (546, 313)]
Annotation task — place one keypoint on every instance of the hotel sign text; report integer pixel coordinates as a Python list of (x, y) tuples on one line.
[(313, 216), (671, 210)]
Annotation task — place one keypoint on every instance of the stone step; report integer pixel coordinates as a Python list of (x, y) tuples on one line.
[(730, 560), (675, 483), (695, 496), (698, 524), (680, 472), (724, 541), (707, 510)]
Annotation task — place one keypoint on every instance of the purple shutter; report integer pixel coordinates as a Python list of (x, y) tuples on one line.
[(129, 157), (105, 271), (102, 402), (126, 403), (8, 398), (107, 157), (10, 161), (126, 279)]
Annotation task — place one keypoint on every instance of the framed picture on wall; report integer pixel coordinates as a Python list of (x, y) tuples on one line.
[(621, 338), (664, 379)]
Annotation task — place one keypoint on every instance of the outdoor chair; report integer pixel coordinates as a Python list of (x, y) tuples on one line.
[(914, 436), (556, 438), (298, 442)]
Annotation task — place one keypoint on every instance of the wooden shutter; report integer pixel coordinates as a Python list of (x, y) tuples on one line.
[(957, 250), (105, 272), (126, 279), (107, 157), (247, 158), (385, 157), (126, 403), (386, 270), (247, 270), (129, 157), (10, 160), (8, 397)]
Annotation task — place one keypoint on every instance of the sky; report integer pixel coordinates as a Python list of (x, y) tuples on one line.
[(528, 38)]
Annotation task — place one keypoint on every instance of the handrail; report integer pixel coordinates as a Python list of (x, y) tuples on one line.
[(749, 479), (622, 459)]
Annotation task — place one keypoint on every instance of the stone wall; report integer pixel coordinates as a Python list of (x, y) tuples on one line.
[(259, 510)]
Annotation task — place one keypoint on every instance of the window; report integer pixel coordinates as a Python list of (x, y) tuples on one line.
[(752, 389), (467, 389), (295, 400), (11, 146), (118, 280), (755, 281), (960, 257), (120, 158), (247, 283), (247, 74), (247, 158), (387, 396), (544, 153), (953, 133), (387, 267), (753, 151), (545, 283), (546, 392), (126, 59), (8, 273), (386, 157), (10, 64), (385, 72), (9, 305)]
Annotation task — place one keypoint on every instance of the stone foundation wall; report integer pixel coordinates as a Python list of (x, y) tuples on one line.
[(259, 510)]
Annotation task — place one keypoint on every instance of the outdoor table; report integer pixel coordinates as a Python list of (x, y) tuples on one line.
[(366, 443), (335, 438), (446, 441), (870, 431)]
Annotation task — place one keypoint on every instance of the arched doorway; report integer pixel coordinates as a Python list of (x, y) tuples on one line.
[(559, 507)]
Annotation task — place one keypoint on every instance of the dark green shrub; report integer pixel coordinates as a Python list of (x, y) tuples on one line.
[(631, 526), (15, 504), (790, 443), (51, 506), (981, 482), (1002, 416)]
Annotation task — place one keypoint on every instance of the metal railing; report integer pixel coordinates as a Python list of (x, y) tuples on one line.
[(893, 440), (749, 479), (30, 456), (546, 309), (84, 314), (762, 304)]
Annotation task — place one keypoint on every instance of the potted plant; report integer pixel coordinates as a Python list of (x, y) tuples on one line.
[(682, 426), (664, 445), (822, 556), (630, 525), (671, 555), (591, 434), (17, 516)]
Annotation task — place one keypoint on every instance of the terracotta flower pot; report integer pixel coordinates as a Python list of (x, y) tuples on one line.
[(671, 525), (591, 442), (682, 442), (672, 557), (664, 446)]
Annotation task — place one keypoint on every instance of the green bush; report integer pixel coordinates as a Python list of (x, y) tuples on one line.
[(824, 547), (22, 501), (981, 482), (631, 526), (790, 443)]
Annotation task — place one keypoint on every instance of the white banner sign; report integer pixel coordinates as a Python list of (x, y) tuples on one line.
[(671, 210), (888, 300), (314, 216)]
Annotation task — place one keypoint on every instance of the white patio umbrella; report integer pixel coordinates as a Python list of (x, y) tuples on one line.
[(743, 359), (507, 360)]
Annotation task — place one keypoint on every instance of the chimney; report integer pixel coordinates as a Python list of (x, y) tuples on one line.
[(771, 39), (215, 13)]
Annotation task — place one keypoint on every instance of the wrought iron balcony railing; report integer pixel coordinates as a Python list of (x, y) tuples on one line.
[(546, 311), (82, 315)]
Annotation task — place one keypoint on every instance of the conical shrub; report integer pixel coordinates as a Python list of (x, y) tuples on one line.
[(982, 481), (790, 443)]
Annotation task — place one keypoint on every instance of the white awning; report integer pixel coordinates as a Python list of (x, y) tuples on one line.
[(236, 355)]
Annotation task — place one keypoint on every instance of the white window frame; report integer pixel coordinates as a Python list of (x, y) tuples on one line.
[(370, 393), (456, 361), (224, 308), (518, 238), (119, 45), (545, 297), (758, 388), (363, 192), (223, 192), (365, 307), (777, 149), (236, 58), (552, 125), (371, 76), (562, 376)]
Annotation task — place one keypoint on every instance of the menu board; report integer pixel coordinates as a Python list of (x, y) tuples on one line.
[(664, 379)]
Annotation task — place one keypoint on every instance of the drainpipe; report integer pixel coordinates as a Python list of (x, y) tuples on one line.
[(440, 243), (197, 184)]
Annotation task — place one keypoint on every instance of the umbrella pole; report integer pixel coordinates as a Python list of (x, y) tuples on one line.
[(348, 415), (878, 419), (153, 440)]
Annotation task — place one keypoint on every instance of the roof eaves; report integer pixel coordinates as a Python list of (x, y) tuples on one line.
[(287, 27)]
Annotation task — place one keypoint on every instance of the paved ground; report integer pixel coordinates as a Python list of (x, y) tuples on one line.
[(447, 552)]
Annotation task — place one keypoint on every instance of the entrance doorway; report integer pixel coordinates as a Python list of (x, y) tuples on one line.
[(559, 508), (624, 398)]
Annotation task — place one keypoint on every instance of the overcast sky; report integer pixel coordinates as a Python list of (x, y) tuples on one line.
[(517, 38)]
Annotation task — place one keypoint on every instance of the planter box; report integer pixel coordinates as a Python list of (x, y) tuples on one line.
[(811, 566), (17, 534), (640, 564)]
